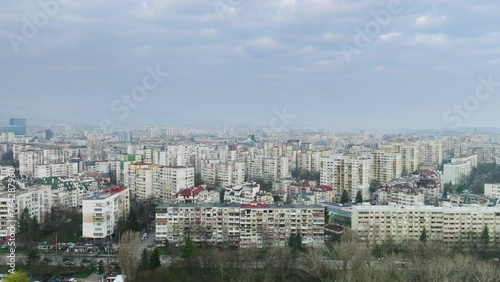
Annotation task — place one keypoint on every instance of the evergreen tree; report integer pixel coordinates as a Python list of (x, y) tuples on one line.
[(345, 197), (144, 264), (359, 197), (485, 237), (374, 185), (188, 249), (100, 267), (327, 216), (33, 256), (295, 241), (154, 260), (28, 229), (133, 221), (423, 236)]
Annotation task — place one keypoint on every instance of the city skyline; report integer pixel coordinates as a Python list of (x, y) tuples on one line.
[(238, 62)]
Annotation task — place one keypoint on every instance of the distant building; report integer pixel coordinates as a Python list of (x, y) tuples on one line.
[(49, 134), (459, 168), (241, 194), (200, 194), (492, 190), (16, 125)]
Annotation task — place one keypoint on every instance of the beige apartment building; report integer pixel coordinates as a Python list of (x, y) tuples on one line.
[(350, 173), (410, 155), (102, 212), (386, 166), (453, 225), (245, 226)]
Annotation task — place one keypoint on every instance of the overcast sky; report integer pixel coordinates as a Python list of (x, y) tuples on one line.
[(238, 62)]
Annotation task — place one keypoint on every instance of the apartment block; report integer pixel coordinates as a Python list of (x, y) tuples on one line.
[(56, 170), (70, 192), (323, 193), (241, 194), (6, 171), (350, 173), (386, 166), (201, 194), (139, 178), (410, 155), (453, 225), (101, 213), (28, 160), (431, 152), (458, 168), (169, 180), (492, 190), (245, 226), (37, 199)]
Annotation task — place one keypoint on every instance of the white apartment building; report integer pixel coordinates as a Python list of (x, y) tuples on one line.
[(323, 193), (459, 168), (56, 170), (492, 190), (245, 226), (139, 179), (431, 152), (168, 180), (454, 225), (28, 160), (410, 155), (70, 192), (241, 194), (6, 206), (200, 195), (37, 199), (386, 166), (350, 173), (102, 212), (406, 197), (209, 171), (6, 171), (7, 137)]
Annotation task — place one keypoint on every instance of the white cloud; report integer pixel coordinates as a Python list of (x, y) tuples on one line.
[(430, 21), (330, 36), (430, 39), (264, 43), (390, 36)]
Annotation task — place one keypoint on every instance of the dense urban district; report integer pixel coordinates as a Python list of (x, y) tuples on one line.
[(228, 204)]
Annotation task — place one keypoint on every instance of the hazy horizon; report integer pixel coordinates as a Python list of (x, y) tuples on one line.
[(239, 62)]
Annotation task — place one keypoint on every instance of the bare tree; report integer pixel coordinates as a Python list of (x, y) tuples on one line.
[(315, 265), (128, 254), (279, 260)]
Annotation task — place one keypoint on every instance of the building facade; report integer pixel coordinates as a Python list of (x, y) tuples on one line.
[(245, 226)]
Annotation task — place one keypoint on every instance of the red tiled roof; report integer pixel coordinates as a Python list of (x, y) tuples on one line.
[(253, 205), (193, 191), (322, 188), (115, 190)]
